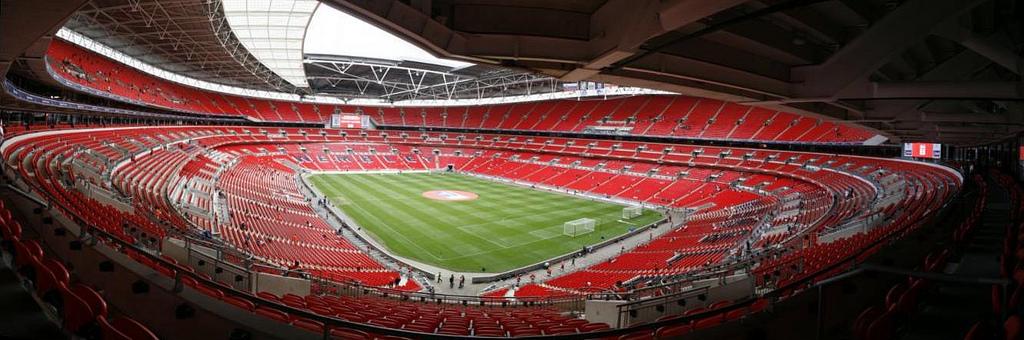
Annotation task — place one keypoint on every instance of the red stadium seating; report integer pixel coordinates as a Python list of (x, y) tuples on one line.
[(676, 116), (725, 188)]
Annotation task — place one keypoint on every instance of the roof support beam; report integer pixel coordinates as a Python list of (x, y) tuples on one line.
[(938, 89), (615, 42), (906, 25), (988, 47)]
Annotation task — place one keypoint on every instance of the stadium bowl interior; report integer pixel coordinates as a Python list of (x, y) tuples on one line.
[(611, 169)]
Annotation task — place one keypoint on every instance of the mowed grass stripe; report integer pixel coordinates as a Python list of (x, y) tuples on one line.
[(530, 239), (521, 208), (382, 229), (532, 209), (430, 215), (410, 219), (508, 227)]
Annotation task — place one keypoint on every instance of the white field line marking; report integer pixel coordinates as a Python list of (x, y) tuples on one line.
[(385, 225)]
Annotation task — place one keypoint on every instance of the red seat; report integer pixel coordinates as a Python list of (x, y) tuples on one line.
[(719, 305), (1011, 328), (354, 317), (214, 292), (133, 329), (108, 332), (454, 331), (238, 302), (593, 327), (10, 231), (45, 281), (168, 272), (322, 310), (58, 270), (695, 311), (91, 297), (708, 322), (560, 330), (24, 252), (292, 297), (489, 331), (759, 305), (349, 334), (77, 313), (272, 314), (882, 328), (385, 323), (391, 337), (268, 296), (864, 320), (420, 327), (735, 314), (309, 325), (893, 296), (295, 304), (640, 335), (672, 331), (523, 331)]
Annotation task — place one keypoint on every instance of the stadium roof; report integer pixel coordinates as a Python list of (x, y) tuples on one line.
[(256, 47), (350, 58), (920, 70), (273, 31), (390, 80), (188, 37)]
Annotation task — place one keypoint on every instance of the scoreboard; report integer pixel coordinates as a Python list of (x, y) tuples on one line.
[(922, 150), (346, 121)]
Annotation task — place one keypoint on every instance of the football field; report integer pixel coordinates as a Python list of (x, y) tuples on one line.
[(463, 223)]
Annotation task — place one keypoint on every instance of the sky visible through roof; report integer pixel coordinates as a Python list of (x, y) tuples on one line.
[(334, 32)]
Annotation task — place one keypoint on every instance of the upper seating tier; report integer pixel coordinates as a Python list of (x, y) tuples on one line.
[(666, 116)]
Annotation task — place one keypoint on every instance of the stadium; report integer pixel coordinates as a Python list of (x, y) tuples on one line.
[(441, 169)]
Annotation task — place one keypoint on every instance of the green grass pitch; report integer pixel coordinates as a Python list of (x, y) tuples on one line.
[(507, 227)]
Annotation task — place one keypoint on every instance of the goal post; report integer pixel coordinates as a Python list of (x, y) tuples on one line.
[(579, 227), (631, 212)]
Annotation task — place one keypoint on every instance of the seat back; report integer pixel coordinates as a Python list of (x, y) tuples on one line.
[(1012, 327), (91, 297), (133, 329), (77, 313), (108, 332)]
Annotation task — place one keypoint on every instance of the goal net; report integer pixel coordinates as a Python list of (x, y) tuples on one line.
[(631, 212), (579, 227)]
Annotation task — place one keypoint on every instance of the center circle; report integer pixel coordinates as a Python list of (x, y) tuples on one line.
[(450, 195)]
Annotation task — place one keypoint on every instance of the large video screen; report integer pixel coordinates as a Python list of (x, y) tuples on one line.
[(922, 150), (346, 121)]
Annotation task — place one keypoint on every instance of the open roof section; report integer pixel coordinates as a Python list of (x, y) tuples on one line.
[(186, 37), (575, 90), (363, 63), (334, 32), (273, 31)]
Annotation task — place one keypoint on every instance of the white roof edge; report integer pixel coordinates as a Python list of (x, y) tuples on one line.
[(97, 47)]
